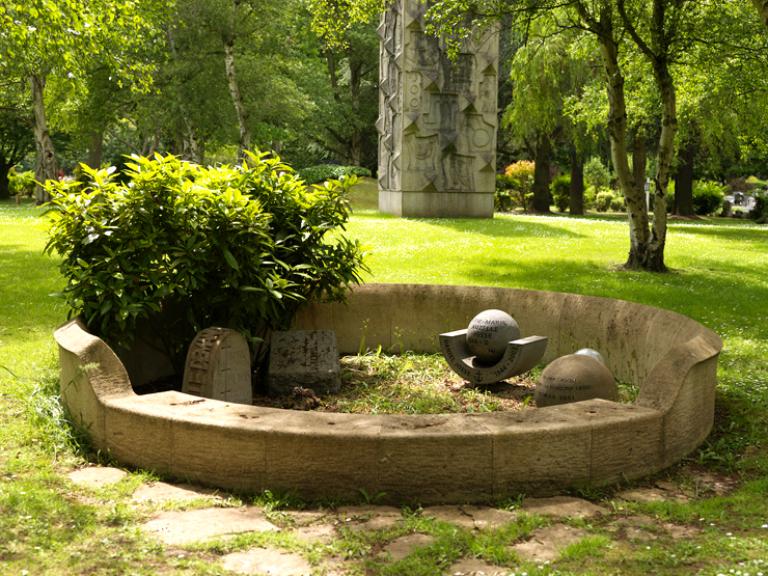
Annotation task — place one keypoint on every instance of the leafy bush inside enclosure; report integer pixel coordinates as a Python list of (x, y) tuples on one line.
[(187, 247)]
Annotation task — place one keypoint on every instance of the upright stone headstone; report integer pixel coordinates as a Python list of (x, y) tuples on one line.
[(437, 119), (306, 358), (218, 366)]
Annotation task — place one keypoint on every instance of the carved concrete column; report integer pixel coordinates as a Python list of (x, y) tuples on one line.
[(437, 120)]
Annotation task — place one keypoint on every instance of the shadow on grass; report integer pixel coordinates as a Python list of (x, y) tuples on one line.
[(734, 299), (750, 234), (503, 227)]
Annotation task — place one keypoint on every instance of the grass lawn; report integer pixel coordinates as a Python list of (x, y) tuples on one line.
[(49, 526)]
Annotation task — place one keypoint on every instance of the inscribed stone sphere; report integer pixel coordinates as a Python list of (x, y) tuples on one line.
[(574, 378), (592, 353), (489, 333)]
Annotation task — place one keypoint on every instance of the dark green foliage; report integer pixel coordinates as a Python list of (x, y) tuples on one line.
[(323, 172), (707, 197), (561, 191), (21, 183), (604, 200), (187, 247), (760, 211)]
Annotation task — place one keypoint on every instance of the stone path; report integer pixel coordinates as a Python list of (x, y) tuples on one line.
[(204, 517), (563, 507), (187, 527), (266, 562), (161, 492), (546, 544), (402, 547), (471, 517), (95, 477)]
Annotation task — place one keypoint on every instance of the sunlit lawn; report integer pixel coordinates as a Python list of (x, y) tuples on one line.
[(718, 277)]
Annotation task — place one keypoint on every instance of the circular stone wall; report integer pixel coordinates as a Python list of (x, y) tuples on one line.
[(430, 458)]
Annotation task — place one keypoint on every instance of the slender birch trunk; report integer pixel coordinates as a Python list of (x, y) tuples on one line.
[(233, 84), (45, 164)]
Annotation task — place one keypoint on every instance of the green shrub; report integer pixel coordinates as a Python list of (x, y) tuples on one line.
[(323, 172), (604, 199), (617, 203), (760, 211), (561, 192), (707, 197), (596, 174), (21, 183), (590, 197), (186, 247)]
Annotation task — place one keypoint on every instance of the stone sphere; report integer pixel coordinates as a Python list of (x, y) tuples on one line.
[(489, 333), (592, 353), (574, 378)]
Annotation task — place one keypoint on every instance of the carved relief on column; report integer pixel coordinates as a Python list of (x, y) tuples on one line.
[(437, 117)]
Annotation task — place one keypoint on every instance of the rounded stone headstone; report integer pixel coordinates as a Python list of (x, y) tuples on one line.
[(218, 366), (574, 378), (591, 352), (489, 333)]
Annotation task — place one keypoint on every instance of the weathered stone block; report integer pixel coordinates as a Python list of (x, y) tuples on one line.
[(307, 358)]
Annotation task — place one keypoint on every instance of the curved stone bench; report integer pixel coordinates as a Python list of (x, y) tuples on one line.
[(429, 458)]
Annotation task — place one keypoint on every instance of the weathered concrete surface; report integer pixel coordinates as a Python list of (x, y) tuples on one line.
[(546, 544), (96, 476), (404, 546), (431, 458), (563, 507), (180, 528), (266, 562)]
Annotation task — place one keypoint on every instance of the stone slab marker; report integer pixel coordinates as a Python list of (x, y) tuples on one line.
[(437, 119), (306, 358), (218, 366)]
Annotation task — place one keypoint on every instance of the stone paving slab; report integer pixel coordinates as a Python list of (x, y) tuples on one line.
[(363, 518), (266, 562), (96, 477), (161, 492), (180, 528), (546, 544), (471, 517), (402, 547), (563, 507), (474, 567), (316, 533)]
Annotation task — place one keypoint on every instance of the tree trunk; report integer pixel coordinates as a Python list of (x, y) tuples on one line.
[(640, 256), (666, 153), (576, 199), (762, 10), (96, 148), (356, 136), (542, 176), (684, 179), (45, 164), (237, 99), (5, 188)]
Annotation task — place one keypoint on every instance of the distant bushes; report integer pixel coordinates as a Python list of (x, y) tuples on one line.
[(560, 188), (21, 183), (707, 197), (322, 172)]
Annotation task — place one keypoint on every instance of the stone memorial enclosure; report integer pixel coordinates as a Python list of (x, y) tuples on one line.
[(426, 458)]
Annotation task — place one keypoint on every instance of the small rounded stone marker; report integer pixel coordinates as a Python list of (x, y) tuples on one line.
[(592, 353), (574, 378), (489, 333)]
